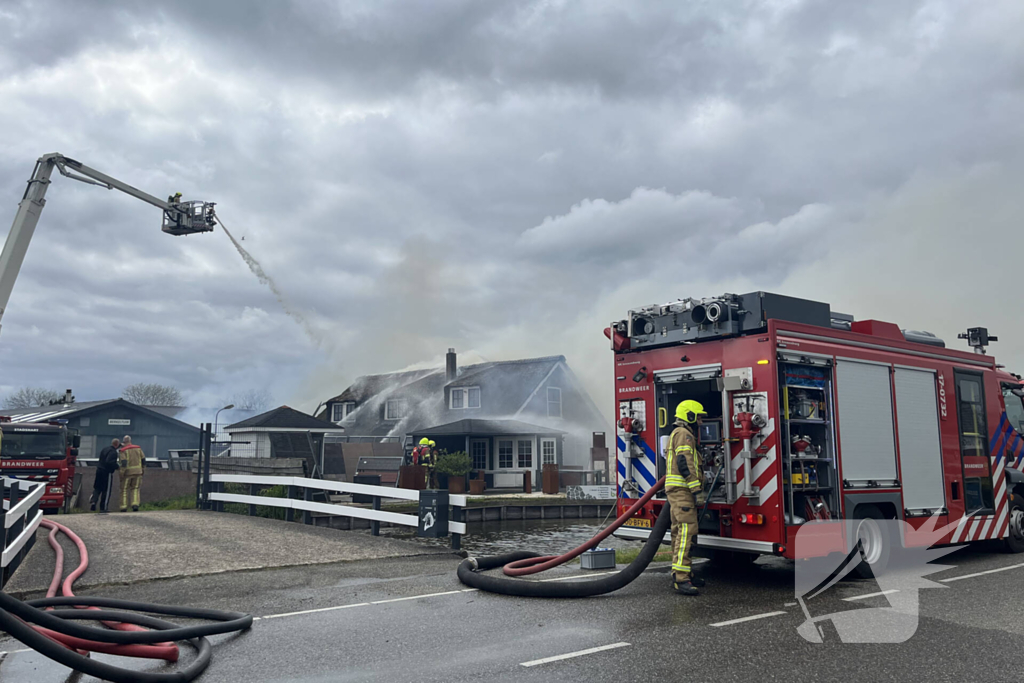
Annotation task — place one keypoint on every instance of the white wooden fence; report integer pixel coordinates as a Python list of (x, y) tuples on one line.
[(307, 506), (20, 519)]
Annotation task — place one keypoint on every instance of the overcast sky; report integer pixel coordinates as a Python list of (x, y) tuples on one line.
[(505, 178)]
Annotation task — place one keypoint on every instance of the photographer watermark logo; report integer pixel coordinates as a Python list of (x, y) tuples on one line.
[(828, 551)]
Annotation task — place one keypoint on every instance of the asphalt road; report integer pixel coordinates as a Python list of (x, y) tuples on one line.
[(410, 620)]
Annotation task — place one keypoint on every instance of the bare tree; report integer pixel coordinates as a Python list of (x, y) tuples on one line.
[(30, 397), (144, 394), (253, 399)]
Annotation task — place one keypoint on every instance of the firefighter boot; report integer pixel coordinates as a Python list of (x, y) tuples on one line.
[(697, 581), (684, 588)]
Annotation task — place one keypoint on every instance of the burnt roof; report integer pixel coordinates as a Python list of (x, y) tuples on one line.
[(282, 417), (505, 386)]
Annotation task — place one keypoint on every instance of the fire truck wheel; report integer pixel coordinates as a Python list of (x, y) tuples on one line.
[(1015, 534), (873, 536)]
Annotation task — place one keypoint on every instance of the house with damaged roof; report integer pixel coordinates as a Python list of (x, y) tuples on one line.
[(511, 416)]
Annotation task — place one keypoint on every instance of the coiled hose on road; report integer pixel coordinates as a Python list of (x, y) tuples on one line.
[(522, 562), (55, 633)]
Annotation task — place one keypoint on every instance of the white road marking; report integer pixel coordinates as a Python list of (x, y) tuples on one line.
[(311, 611), (570, 655), (990, 571), (871, 595), (751, 618), (361, 604), (789, 604), (413, 597)]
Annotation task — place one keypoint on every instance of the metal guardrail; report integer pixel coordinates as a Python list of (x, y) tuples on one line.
[(20, 518), (305, 504)]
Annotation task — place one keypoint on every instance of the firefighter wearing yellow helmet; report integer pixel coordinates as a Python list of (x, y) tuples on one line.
[(431, 464), (682, 486)]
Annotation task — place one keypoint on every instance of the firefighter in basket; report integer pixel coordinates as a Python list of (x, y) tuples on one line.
[(683, 486), (420, 451)]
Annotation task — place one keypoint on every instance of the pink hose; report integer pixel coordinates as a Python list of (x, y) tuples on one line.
[(165, 651), (534, 565)]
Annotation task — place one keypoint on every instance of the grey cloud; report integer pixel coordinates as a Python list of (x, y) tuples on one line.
[(422, 175)]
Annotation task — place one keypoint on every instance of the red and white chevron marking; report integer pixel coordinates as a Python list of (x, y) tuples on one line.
[(763, 473), (987, 527)]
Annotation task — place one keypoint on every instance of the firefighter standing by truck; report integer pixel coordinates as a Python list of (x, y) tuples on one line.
[(682, 487), (132, 465)]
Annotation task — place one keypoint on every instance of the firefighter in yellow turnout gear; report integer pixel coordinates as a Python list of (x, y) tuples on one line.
[(682, 487), (132, 464)]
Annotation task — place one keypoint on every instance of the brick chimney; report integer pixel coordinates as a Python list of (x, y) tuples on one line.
[(451, 367)]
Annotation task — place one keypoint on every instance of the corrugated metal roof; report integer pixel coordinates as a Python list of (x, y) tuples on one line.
[(54, 412)]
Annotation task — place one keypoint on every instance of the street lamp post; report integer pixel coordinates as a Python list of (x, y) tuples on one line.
[(216, 418)]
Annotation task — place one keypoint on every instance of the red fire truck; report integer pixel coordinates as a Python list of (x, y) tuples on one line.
[(813, 415), (41, 451)]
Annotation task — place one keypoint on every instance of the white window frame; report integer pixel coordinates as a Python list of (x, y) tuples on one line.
[(519, 455), (469, 392), (512, 454), (557, 401), (463, 393), (554, 452), (401, 411), (487, 453), (347, 408)]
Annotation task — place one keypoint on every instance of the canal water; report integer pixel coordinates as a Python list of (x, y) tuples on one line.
[(544, 536)]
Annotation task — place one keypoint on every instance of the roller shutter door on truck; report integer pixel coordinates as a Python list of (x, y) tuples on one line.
[(866, 438), (917, 412), (87, 449)]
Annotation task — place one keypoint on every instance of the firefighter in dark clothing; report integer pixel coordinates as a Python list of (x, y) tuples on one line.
[(683, 483), (105, 469)]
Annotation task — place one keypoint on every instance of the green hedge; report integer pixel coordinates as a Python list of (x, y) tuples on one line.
[(261, 510)]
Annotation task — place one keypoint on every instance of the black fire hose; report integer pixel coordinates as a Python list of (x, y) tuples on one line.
[(470, 568), (15, 616)]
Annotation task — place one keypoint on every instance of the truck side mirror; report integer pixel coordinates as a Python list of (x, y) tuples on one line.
[(76, 441)]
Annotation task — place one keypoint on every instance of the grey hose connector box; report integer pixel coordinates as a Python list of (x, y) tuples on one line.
[(598, 558)]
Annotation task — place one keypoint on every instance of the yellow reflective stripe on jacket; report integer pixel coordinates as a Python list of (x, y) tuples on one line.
[(693, 484), (674, 480)]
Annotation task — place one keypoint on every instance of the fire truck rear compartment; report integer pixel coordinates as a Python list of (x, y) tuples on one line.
[(670, 394)]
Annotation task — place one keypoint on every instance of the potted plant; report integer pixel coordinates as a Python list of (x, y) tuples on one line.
[(456, 466), (477, 484)]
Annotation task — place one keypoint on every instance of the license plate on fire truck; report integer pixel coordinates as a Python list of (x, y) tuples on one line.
[(639, 522)]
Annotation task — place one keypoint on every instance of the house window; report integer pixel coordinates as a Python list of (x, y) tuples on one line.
[(339, 411), (465, 397), (547, 451), (395, 409), (554, 402), (525, 449), (505, 454), (478, 451)]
